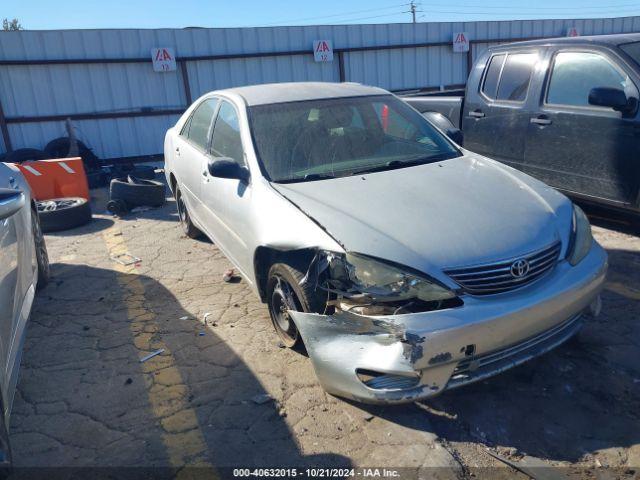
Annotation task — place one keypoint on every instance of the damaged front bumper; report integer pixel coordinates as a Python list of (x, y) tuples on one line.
[(403, 358)]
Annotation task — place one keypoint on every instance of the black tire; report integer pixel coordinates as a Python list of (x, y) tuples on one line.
[(284, 292), (42, 256), (63, 213), (144, 172), (59, 148), (189, 229), (117, 207), (137, 192), (24, 154)]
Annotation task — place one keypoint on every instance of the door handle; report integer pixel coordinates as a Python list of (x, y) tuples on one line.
[(476, 114), (541, 120), (178, 151)]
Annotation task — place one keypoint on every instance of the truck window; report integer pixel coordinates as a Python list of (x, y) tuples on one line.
[(516, 74), (490, 85), (574, 74)]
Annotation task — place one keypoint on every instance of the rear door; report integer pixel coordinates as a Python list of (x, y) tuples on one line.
[(579, 147), (498, 122), (191, 154)]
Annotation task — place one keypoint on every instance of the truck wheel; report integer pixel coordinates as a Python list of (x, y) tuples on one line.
[(63, 213), (284, 293), (42, 256), (189, 229)]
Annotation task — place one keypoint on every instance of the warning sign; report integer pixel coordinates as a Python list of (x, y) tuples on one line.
[(572, 32), (164, 59), (460, 42), (322, 51)]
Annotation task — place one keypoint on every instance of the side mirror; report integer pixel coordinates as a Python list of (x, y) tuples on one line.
[(10, 202), (455, 134), (224, 167), (611, 97)]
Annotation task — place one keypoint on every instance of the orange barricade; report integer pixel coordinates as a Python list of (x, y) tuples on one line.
[(56, 178)]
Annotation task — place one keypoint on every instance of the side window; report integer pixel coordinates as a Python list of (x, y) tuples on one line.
[(574, 74), (226, 134), (199, 123), (516, 74), (490, 84)]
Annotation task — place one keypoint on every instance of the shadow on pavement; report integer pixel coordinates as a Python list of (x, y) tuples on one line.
[(85, 399)]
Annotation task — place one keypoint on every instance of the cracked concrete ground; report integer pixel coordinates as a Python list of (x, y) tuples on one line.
[(85, 399)]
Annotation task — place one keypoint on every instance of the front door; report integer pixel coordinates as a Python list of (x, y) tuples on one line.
[(582, 148), (227, 200)]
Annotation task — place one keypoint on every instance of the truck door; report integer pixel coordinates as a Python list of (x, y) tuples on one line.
[(497, 124), (579, 147)]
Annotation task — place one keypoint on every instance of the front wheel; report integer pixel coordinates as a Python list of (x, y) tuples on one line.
[(285, 293)]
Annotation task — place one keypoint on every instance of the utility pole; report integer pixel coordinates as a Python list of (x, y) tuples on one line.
[(413, 10)]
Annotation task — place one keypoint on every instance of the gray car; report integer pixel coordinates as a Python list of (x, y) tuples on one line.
[(24, 266), (406, 264)]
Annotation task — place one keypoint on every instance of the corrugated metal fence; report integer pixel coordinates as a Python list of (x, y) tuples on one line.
[(103, 79)]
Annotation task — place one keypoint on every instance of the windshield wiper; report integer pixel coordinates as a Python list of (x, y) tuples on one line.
[(394, 164), (307, 178)]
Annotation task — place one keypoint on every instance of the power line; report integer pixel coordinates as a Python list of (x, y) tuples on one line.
[(538, 14), (539, 8), (319, 17)]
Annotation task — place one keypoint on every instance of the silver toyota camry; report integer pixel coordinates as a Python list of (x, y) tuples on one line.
[(406, 264)]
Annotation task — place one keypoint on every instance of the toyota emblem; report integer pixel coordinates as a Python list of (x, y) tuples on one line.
[(520, 268)]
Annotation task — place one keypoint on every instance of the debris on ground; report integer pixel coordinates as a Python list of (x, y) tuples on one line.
[(213, 323), (201, 334), (128, 381), (186, 317), (262, 398), (126, 259), (151, 355), (228, 275)]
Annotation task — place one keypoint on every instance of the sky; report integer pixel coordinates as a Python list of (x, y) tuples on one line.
[(66, 14)]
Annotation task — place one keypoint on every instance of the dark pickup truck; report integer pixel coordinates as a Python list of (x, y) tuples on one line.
[(563, 110)]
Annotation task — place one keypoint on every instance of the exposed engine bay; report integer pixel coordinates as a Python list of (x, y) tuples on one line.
[(364, 285)]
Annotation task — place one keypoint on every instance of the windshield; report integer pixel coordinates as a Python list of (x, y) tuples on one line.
[(318, 139), (633, 50)]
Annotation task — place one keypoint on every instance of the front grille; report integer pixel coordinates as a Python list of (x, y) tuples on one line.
[(477, 368), (498, 277)]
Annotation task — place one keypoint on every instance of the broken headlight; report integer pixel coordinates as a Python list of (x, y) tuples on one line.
[(383, 282)]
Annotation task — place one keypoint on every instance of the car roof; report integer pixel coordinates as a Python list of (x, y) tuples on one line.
[(607, 40), (270, 93)]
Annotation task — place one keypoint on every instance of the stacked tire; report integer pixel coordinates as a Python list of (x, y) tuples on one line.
[(128, 193)]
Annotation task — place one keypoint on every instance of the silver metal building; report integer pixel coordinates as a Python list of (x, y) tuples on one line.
[(104, 81)]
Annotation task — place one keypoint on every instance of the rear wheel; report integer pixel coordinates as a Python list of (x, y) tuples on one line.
[(189, 229), (285, 293)]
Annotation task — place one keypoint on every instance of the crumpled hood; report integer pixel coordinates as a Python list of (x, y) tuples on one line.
[(458, 212)]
